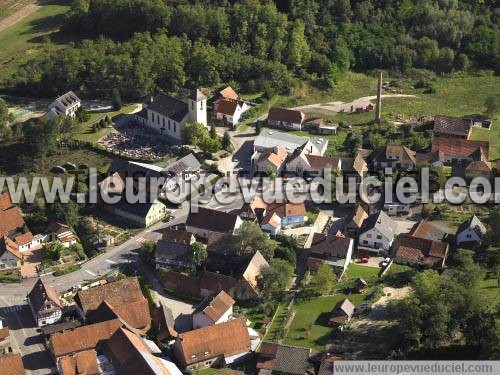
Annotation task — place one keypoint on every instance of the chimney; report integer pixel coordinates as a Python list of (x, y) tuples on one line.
[(378, 110)]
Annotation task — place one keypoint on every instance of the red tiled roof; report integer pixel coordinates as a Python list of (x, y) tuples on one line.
[(5, 201), (217, 306), (11, 220), (421, 250), (227, 106), (460, 147), (451, 126), (228, 93), (286, 115), (227, 339), (12, 364), (82, 338), (320, 162)]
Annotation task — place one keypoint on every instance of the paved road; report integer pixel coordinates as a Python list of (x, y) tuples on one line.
[(24, 336)]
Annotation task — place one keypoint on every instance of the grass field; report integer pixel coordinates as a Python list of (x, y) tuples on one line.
[(84, 131), (27, 38), (7, 7), (355, 270), (309, 327)]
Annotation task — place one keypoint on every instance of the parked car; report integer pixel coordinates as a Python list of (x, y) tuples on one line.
[(361, 260), (385, 262)]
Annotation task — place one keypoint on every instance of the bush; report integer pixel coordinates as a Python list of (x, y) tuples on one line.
[(65, 270), (10, 277)]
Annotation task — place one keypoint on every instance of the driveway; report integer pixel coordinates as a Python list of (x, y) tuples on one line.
[(32, 259)]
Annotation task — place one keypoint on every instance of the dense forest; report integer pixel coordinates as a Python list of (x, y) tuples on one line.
[(137, 46)]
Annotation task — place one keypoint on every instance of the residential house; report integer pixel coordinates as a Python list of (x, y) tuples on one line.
[(10, 256), (355, 167), (81, 339), (65, 105), (377, 234), (456, 150), (270, 139), (173, 249), (470, 233), (12, 364), (341, 314), (254, 210), (44, 304), (168, 115), (241, 284), (229, 111), (212, 225), (398, 157), (128, 353), (62, 233), (226, 93), (122, 299), (354, 221), (426, 229), (394, 207), (452, 127), (213, 310), (285, 118), (141, 215), (479, 168), (12, 224), (5, 341), (276, 358), (215, 345), (272, 160), (335, 251), (86, 362), (422, 252), (279, 216), (305, 164), (164, 322)]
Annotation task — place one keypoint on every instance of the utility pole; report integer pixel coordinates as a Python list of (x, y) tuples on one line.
[(378, 109)]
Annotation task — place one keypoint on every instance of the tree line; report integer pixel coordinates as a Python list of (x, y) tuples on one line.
[(136, 46)]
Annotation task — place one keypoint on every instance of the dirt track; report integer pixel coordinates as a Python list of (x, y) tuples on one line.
[(17, 16)]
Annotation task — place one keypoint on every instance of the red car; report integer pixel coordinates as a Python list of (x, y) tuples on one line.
[(362, 260)]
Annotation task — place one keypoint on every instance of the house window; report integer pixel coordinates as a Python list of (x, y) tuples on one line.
[(169, 124), (469, 236), (201, 104), (175, 127), (379, 237), (365, 242), (368, 235)]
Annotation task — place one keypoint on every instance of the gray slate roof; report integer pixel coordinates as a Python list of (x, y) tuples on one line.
[(169, 106), (473, 223), (382, 222), (272, 138), (186, 163), (173, 251)]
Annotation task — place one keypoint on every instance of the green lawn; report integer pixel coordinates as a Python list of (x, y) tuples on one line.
[(276, 323), (8, 7), (84, 131), (355, 270), (309, 327), (27, 38)]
